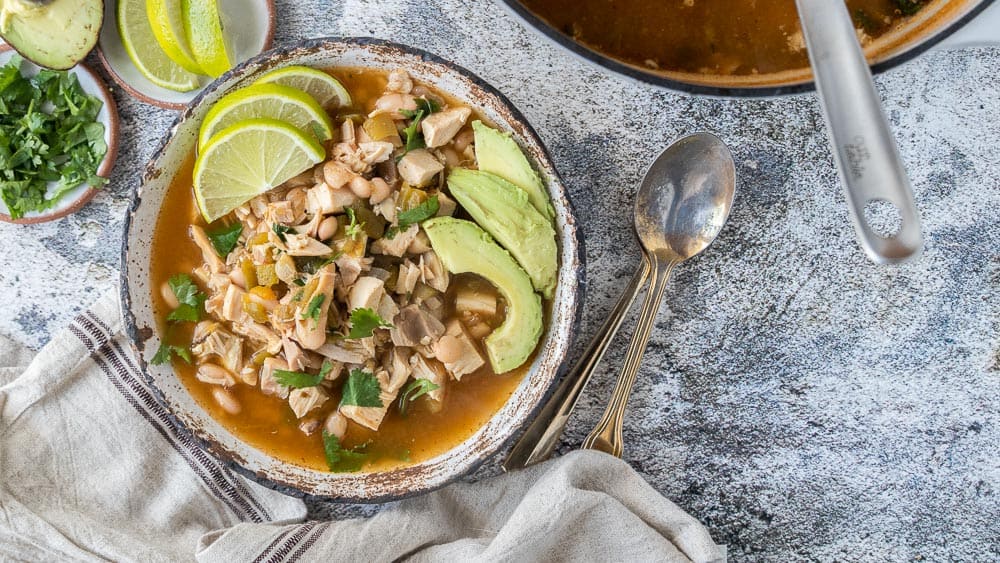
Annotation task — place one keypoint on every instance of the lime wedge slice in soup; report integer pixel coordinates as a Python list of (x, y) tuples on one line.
[(247, 159), (145, 52), (203, 24), (166, 17), (327, 90), (272, 101)]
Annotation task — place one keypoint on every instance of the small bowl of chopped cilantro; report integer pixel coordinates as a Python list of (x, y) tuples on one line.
[(58, 139)]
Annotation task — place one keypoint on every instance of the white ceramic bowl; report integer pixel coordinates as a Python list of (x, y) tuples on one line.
[(353, 487)]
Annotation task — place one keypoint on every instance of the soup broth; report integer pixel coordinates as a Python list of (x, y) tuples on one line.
[(712, 37)]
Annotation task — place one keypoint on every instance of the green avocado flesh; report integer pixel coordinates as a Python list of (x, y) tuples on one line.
[(56, 34), (504, 211), (498, 153), (465, 248)]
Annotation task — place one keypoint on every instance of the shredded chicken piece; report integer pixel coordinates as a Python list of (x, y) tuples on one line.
[(304, 400)]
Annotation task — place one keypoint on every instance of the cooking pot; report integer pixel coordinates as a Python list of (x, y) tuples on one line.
[(943, 23)]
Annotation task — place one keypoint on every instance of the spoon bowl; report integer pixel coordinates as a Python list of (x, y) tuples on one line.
[(685, 197)]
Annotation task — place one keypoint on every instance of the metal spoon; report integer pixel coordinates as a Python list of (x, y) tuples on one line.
[(542, 435), (682, 205), (866, 153)]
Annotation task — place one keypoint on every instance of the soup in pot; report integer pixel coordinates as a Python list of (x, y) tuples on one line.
[(711, 37)]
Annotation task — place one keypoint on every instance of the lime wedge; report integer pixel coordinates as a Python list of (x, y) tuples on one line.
[(247, 159), (272, 101), (145, 52), (204, 32), (166, 17), (327, 90)]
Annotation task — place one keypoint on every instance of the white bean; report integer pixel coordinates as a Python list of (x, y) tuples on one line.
[(381, 190), (463, 139), (361, 187), (168, 296), (226, 400), (448, 349), (336, 424), (327, 228)]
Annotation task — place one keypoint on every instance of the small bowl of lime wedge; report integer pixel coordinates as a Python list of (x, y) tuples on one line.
[(164, 52)]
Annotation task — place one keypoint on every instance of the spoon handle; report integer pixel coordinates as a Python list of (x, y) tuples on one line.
[(542, 435), (607, 435), (865, 151)]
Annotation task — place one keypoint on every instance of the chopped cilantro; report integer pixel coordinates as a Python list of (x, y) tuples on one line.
[(281, 231), (364, 322), (224, 239), (164, 352), (361, 389), (416, 389), (49, 135), (418, 214), (313, 308), (413, 138), (339, 459), (299, 380), (192, 300), (311, 264), (353, 229), (909, 7)]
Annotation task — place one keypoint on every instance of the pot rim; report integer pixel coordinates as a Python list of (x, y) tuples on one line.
[(543, 28), (576, 276)]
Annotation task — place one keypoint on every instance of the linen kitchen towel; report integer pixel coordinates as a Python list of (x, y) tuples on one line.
[(93, 468)]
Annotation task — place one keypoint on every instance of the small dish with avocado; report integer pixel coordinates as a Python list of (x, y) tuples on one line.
[(377, 302)]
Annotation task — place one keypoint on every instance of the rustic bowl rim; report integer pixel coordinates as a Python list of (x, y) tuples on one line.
[(576, 277)]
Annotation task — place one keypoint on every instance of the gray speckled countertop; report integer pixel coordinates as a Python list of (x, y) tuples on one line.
[(802, 402)]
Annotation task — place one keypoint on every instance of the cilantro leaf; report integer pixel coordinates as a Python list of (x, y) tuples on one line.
[(339, 459), (413, 138), (313, 308), (416, 389), (192, 300), (418, 214), (361, 389), (281, 231), (225, 238), (364, 322), (299, 380), (164, 352)]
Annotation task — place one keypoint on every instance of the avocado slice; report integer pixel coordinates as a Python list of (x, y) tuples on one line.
[(54, 34), (504, 211), (498, 153), (463, 247)]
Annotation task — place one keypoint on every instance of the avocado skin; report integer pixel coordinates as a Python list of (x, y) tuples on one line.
[(503, 210), (498, 153), (464, 247), (56, 35)]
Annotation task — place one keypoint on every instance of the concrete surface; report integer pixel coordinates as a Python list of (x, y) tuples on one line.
[(802, 402)]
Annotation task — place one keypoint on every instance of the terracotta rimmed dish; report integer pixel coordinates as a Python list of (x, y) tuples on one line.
[(396, 483), (249, 26), (79, 196)]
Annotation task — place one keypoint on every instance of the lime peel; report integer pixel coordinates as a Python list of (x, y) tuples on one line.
[(272, 101)]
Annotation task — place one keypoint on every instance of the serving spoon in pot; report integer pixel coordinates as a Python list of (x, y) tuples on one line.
[(863, 147), (681, 206)]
